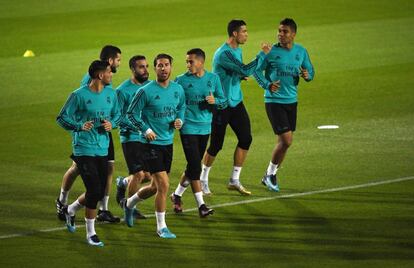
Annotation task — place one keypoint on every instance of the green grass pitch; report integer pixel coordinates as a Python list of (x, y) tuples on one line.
[(364, 61)]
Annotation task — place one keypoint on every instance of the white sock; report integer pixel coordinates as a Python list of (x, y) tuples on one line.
[(63, 197), (133, 200), (75, 206), (104, 203), (90, 227), (199, 198), (235, 176), (125, 181), (204, 173), (160, 220), (271, 169), (180, 190)]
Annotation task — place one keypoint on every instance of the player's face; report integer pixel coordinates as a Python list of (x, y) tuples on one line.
[(163, 69), (241, 35), (141, 71), (107, 76), (115, 62), (194, 63), (285, 35)]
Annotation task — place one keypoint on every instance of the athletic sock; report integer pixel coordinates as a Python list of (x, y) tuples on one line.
[(180, 190), (90, 227), (75, 206), (125, 181), (133, 200), (271, 169), (235, 176), (160, 220), (104, 203), (204, 173), (199, 198), (63, 197)]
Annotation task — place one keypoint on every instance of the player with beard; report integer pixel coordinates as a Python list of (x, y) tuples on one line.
[(90, 113), (132, 148), (112, 55), (157, 110)]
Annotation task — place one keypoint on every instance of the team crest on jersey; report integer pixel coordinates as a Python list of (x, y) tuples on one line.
[(157, 97), (108, 100), (89, 102), (209, 83), (176, 94), (277, 57), (190, 85), (297, 57)]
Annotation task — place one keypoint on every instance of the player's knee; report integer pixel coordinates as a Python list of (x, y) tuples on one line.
[(245, 142), (92, 199), (193, 172), (214, 149), (163, 187)]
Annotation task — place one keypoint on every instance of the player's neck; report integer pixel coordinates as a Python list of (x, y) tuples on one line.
[(135, 81), (287, 46), (232, 42), (96, 85), (164, 84), (199, 73)]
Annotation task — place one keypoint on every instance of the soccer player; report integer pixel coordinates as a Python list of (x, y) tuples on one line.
[(132, 148), (111, 54), (157, 109), (90, 113), (283, 66), (203, 91), (228, 65)]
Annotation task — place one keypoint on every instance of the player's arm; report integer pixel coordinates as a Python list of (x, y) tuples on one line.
[(124, 123), (65, 119), (220, 98), (306, 70), (229, 62), (134, 112), (115, 114), (259, 76), (179, 120)]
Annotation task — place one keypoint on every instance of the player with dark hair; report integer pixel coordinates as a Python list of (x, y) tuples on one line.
[(112, 55), (90, 113), (203, 93), (283, 66), (228, 65)]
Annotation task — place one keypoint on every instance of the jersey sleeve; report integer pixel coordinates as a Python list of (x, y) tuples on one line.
[(259, 76), (115, 113), (123, 108), (181, 106), (135, 110), (66, 117), (230, 62), (221, 100), (308, 66)]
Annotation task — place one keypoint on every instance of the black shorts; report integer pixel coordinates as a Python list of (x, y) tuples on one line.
[(282, 117), (194, 147), (158, 158), (134, 156), (238, 119), (94, 174), (111, 150)]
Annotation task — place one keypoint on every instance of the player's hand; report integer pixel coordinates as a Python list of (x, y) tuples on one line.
[(274, 86), (304, 73), (210, 99), (178, 123), (245, 78), (88, 125), (266, 47), (151, 136), (107, 125)]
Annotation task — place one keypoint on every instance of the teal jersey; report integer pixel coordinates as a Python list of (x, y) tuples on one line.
[(228, 65), (85, 105), (87, 79), (155, 107), (125, 93), (284, 65), (198, 113)]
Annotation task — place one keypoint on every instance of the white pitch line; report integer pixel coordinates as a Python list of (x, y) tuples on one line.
[(322, 191)]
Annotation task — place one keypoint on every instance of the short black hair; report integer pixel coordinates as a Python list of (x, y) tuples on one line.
[(109, 52), (290, 23), (134, 59), (234, 26), (96, 67), (163, 56), (198, 52)]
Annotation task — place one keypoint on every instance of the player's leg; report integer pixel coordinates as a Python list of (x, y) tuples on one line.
[(68, 179), (218, 132), (240, 123)]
